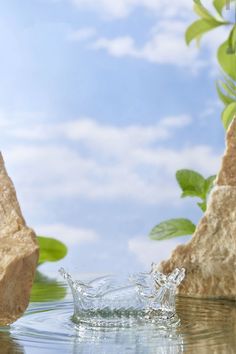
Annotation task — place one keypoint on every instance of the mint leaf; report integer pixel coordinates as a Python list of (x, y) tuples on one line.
[(229, 90), (202, 206), (222, 96), (202, 11), (227, 59), (51, 250), (172, 228), (198, 28), (219, 5), (191, 182), (228, 114)]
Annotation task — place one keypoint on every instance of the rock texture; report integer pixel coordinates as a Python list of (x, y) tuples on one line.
[(18, 253), (210, 257)]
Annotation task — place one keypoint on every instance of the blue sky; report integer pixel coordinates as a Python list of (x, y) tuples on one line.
[(100, 103)]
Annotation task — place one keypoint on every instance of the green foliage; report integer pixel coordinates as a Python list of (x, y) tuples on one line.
[(227, 59), (226, 99), (51, 250), (228, 114), (192, 184), (232, 41), (206, 23), (226, 90), (201, 11), (172, 228), (219, 5), (198, 28), (226, 54)]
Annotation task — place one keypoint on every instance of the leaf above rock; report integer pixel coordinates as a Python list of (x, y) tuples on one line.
[(228, 114), (191, 182), (172, 228)]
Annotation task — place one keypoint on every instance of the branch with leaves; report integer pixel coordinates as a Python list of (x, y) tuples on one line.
[(226, 55), (192, 183)]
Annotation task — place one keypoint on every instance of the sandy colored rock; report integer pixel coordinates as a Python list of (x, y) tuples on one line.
[(19, 253), (210, 256), (227, 174)]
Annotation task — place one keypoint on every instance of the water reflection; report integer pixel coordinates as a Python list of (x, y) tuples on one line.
[(47, 289), (139, 340), (8, 344), (206, 327)]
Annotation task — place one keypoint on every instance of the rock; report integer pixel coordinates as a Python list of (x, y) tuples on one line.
[(210, 257), (19, 253), (227, 174)]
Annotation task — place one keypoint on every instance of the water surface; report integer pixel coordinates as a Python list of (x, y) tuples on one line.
[(206, 326)]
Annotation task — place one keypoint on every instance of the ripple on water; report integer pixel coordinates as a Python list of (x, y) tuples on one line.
[(205, 327)]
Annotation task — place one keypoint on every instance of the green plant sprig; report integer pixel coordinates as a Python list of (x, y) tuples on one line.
[(192, 184), (51, 250), (226, 55)]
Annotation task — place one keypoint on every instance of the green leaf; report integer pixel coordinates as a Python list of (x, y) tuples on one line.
[(202, 206), (230, 83), (226, 60), (228, 89), (51, 250), (219, 5), (232, 41), (209, 184), (202, 11), (228, 114), (224, 98), (200, 27), (172, 228), (191, 182)]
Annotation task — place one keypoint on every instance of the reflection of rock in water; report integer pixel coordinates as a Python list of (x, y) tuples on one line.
[(9, 345), (139, 340), (207, 326)]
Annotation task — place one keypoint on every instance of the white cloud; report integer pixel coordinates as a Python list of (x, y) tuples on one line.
[(148, 251), (118, 47), (81, 34), (68, 234), (166, 45), (92, 133), (176, 121), (84, 158), (122, 8)]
